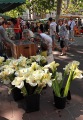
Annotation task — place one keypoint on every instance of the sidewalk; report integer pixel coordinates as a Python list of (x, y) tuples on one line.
[(9, 110)]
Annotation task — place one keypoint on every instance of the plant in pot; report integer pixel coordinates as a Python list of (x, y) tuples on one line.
[(71, 72), (31, 81), (24, 78), (9, 68), (7, 74)]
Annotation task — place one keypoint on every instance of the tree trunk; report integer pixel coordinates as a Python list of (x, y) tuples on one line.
[(68, 3), (59, 5)]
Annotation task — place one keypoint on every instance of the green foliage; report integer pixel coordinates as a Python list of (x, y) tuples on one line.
[(46, 6), (42, 5), (73, 6)]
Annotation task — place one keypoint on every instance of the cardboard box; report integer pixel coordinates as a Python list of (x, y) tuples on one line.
[(26, 49)]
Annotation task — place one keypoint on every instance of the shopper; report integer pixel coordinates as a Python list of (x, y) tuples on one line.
[(52, 31), (63, 37), (71, 24)]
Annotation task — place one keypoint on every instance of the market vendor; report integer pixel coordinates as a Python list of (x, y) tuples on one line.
[(46, 42), (3, 36), (27, 34)]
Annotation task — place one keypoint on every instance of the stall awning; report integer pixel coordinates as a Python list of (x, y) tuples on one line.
[(6, 5), (4, 16)]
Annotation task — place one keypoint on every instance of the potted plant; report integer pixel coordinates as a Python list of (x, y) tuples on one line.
[(71, 72), (28, 77)]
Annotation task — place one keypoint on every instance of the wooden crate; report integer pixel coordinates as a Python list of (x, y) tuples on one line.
[(26, 50)]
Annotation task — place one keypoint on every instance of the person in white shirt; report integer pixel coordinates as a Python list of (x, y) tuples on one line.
[(71, 24), (27, 34), (45, 39), (52, 31), (48, 40)]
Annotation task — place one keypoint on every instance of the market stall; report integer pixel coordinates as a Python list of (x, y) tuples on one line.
[(20, 47), (25, 48), (6, 5)]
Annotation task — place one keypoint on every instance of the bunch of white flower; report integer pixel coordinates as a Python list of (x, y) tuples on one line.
[(1, 60), (71, 72)]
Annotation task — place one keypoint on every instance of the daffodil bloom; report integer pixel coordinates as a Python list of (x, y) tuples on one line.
[(35, 77), (71, 66), (22, 61), (14, 64), (39, 59), (77, 74), (9, 71), (35, 66), (59, 76), (47, 79), (22, 72), (53, 66), (18, 82), (1, 59)]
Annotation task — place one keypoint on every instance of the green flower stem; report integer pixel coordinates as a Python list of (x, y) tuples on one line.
[(24, 91), (38, 90), (55, 87), (61, 83), (68, 84)]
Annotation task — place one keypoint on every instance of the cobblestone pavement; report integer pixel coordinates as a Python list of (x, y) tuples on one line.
[(11, 110)]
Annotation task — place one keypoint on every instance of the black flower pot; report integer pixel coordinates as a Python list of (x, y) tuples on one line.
[(68, 95), (30, 89), (17, 95), (60, 102), (32, 103)]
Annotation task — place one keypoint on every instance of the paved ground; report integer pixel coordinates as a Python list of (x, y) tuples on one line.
[(11, 110)]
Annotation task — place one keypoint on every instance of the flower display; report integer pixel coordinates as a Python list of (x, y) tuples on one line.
[(41, 60), (19, 72), (71, 72), (30, 76)]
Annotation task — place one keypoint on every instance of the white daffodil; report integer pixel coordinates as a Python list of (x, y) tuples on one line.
[(1, 59), (35, 66), (5, 66), (22, 58), (9, 71), (35, 77), (59, 76), (31, 80), (4, 73), (53, 66), (18, 82), (78, 74), (38, 74), (47, 78), (38, 58), (71, 66), (14, 64), (7, 62), (22, 61), (22, 72)]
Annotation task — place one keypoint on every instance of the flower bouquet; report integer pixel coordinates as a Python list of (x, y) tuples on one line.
[(71, 72), (25, 75)]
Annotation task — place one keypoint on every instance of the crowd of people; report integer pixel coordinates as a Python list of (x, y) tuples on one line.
[(49, 32)]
